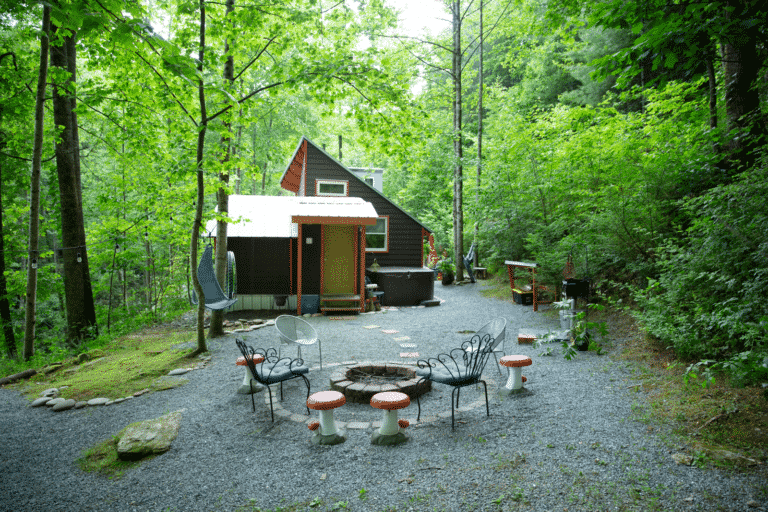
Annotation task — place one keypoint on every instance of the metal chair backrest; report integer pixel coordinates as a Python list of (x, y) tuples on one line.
[(292, 328), (477, 356)]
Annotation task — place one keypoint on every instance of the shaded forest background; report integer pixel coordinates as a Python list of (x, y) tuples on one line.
[(630, 136)]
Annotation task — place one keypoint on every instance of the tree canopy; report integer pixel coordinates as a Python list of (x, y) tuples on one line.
[(630, 135)]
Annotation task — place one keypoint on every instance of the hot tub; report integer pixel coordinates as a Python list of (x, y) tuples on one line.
[(404, 286)]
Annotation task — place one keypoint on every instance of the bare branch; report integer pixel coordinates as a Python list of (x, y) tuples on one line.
[(162, 79), (270, 41)]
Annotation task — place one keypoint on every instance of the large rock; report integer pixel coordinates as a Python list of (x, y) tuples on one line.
[(150, 437)]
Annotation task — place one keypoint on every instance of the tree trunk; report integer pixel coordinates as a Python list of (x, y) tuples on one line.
[(34, 200), (198, 222), (222, 195), (81, 313), (5, 307), (479, 144), (741, 65), (458, 146)]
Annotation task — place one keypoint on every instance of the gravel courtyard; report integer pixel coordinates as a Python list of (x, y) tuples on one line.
[(568, 443)]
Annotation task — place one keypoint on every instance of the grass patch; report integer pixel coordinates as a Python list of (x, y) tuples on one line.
[(722, 424), (129, 364), (497, 287)]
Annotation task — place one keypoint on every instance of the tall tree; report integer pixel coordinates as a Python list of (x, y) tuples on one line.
[(81, 312), (677, 40), (458, 140), (479, 139), (199, 157), (34, 196), (222, 194), (5, 306)]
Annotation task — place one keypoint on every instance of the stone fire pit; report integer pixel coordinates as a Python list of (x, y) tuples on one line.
[(361, 381)]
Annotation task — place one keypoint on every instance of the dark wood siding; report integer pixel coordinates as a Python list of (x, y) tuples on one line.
[(310, 259), (263, 265), (405, 241)]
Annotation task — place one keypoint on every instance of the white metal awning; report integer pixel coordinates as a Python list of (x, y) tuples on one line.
[(277, 216)]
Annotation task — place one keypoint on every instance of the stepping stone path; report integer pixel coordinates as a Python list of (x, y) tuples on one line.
[(50, 397)]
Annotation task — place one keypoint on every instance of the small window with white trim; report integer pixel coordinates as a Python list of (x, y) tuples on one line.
[(331, 188), (376, 236)]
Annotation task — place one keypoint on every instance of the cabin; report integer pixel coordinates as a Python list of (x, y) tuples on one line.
[(312, 251)]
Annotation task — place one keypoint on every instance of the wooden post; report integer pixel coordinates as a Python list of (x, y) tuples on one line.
[(298, 274)]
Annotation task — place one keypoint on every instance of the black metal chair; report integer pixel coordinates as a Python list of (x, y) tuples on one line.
[(272, 370), (460, 367)]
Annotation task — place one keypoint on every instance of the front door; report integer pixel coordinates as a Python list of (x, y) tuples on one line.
[(338, 260)]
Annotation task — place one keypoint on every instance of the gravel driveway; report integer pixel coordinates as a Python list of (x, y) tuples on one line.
[(568, 443)]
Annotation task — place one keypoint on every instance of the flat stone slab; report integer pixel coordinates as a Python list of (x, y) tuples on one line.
[(150, 437), (98, 401), (337, 438), (40, 401), (168, 382), (178, 371), (65, 405), (383, 440)]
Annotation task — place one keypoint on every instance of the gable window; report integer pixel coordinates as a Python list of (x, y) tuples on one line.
[(377, 236), (369, 180), (331, 188)]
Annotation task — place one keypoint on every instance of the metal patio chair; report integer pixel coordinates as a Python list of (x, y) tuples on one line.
[(272, 370), (462, 366), (293, 329)]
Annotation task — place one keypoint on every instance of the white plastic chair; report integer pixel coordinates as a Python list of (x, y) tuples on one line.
[(293, 329), (497, 329)]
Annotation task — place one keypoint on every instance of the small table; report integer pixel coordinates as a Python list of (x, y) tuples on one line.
[(514, 366), (531, 269), (390, 431), (249, 385), (325, 402)]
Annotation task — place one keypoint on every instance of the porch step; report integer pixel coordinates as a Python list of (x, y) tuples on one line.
[(344, 297), (339, 303)]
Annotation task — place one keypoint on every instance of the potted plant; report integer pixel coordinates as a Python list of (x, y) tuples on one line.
[(447, 269)]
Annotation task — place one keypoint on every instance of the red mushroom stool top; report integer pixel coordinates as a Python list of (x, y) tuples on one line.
[(390, 400), (257, 358), (515, 361), (326, 400)]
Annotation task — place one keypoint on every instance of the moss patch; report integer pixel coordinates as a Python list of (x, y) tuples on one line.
[(102, 459), (129, 364)]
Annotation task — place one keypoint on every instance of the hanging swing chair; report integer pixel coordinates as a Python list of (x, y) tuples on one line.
[(215, 298)]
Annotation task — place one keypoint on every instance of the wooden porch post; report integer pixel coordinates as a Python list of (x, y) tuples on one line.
[(362, 267), (298, 273)]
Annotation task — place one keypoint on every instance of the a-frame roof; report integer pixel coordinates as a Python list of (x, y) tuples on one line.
[(295, 172)]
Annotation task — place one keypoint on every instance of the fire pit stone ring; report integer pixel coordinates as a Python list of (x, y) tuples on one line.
[(360, 382)]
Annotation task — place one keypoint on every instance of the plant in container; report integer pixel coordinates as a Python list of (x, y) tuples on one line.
[(447, 269)]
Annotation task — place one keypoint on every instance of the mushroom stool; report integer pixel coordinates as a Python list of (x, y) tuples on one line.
[(514, 366), (248, 379), (390, 431), (325, 402)]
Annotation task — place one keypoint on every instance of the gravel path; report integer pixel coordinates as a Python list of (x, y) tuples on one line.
[(569, 443)]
